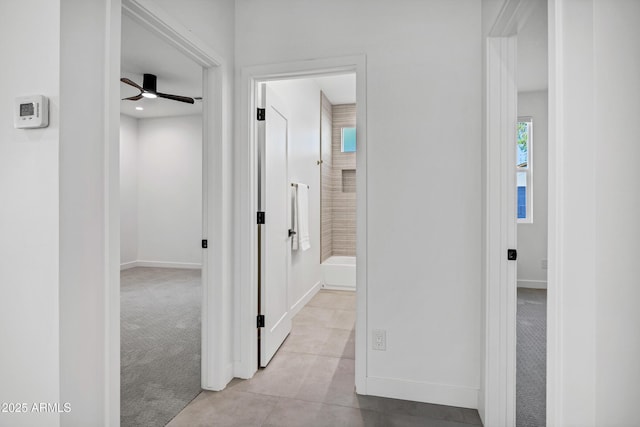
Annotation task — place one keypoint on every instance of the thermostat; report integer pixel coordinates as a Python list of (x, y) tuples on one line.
[(31, 112)]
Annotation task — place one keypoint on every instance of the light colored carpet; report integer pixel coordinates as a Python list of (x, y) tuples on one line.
[(531, 358), (160, 343)]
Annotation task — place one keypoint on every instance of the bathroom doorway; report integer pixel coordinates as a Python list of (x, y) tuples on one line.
[(296, 299), (307, 164)]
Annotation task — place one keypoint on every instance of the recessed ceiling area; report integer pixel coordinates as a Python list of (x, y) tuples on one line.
[(144, 52), (339, 89)]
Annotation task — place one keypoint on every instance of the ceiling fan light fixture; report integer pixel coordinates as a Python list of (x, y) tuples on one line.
[(149, 90)]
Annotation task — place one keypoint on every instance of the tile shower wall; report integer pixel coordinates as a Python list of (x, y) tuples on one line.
[(343, 184), (326, 172)]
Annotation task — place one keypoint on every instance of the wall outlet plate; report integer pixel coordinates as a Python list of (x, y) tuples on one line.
[(379, 339)]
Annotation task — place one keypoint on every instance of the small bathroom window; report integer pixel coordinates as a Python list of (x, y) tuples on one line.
[(348, 140)]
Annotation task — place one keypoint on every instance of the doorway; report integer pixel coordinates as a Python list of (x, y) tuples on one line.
[(309, 200), (532, 217), (161, 128), (216, 204), (247, 299), (501, 291)]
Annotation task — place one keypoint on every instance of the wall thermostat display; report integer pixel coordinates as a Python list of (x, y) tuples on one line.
[(31, 112)]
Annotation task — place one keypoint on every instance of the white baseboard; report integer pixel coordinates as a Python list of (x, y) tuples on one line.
[(305, 299), (240, 370), (161, 264), (128, 265), (440, 394), (532, 284), (227, 376), (339, 288)]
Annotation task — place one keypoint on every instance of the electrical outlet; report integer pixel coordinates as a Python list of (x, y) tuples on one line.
[(543, 264), (379, 339)]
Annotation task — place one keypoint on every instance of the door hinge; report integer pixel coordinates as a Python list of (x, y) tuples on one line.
[(260, 115), (260, 321), (512, 254), (204, 243), (260, 219)]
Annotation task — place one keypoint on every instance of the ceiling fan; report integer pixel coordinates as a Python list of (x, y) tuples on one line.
[(149, 90)]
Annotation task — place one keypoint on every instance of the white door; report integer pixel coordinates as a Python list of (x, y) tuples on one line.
[(276, 244)]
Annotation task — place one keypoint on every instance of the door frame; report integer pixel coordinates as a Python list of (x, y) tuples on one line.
[(216, 198), (500, 297), (246, 188), (498, 398)]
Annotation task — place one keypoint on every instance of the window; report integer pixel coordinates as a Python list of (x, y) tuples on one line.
[(524, 170), (348, 140)]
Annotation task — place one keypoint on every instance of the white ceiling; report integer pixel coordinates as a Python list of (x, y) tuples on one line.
[(533, 51), (340, 89), (144, 52)]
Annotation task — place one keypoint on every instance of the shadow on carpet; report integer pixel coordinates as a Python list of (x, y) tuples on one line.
[(160, 344)]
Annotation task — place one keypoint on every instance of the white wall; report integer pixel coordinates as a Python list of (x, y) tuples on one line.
[(302, 98), (617, 187), (161, 191), (29, 236), (532, 238), (53, 231), (423, 179), (128, 189), (170, 191), (533, 63), (597, 199)]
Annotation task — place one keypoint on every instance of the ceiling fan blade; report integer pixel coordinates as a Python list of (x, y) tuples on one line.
[(131, 83), (176, 97), (133, 98)]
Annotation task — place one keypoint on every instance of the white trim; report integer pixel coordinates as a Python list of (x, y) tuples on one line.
[(128, 265), (512, 16), (555, 384), (339, 288), (532, 284), (162, 264), (295, 308), (154, 18), (111, 199), (441, 394), (499, 368), (217, 203), (246, 183)]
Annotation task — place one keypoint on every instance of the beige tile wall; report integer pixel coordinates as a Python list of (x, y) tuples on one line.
[(326, 193), (343, 184)]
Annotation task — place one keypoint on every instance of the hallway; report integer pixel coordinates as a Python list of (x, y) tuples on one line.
[(310, 382)]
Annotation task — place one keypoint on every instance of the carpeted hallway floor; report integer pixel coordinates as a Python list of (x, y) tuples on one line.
[(160, 343), (531, 358)]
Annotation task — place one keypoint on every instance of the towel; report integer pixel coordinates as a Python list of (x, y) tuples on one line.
[(294, 218), (302, 208)]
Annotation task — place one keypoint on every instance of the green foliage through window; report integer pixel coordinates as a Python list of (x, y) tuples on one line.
[(523, 144)]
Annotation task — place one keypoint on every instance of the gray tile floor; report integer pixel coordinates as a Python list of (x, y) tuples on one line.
[(310, 382)]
